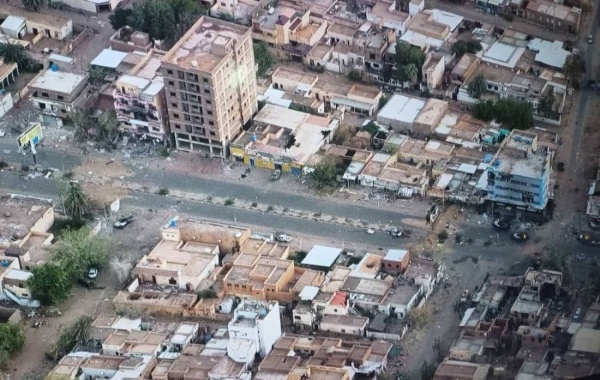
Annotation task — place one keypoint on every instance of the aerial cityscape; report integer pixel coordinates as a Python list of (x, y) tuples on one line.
[(299, 190)]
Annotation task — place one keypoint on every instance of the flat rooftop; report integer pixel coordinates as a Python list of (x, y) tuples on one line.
[(206, 44), (58, 81), (401, 108), (36, 17), (299, 76), (24, 213)]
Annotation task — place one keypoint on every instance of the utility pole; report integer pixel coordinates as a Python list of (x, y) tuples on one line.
[(33, 152)]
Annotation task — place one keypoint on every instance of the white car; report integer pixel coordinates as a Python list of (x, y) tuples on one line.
[(93, 273), (2, 133), (370, 231), (577, 314), (590, 39), (284, 238)]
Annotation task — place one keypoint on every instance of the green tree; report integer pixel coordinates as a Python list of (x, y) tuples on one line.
[(324, 173), (263, 58), (573, 68), (16, 53), (78, 250), (354, 75), (409, 60), (511, 113), (408, 72), (33, 5), (76, 203), (477, 87), (108, 126), (428, 371), (371, 127), (12, 338), (77, 334), (50, 283), (118, 18), (461, 47)]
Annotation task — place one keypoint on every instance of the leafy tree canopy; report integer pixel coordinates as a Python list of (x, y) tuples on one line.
[(324, 173), (16, 53), (12, 338), (409, 60), (477, 87), (573, 68), (78, 250), (50, 283), (461, 47), (71, 337), (164, 20), (263, 58), (511, 113)]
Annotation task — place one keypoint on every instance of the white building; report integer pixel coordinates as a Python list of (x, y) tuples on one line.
[(91, 6), (400, 112), (255, 327)]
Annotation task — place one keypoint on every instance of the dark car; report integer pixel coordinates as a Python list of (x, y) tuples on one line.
[(520, 236), (501, 225), (395, 232), (587, 239), (123, 222), (86, 282)]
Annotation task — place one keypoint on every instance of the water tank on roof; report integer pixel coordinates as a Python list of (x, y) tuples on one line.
[(263, 313), (54, 68), (5, 263), (253, 137)]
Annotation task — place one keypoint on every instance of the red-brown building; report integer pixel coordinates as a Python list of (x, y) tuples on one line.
[(396, 261)]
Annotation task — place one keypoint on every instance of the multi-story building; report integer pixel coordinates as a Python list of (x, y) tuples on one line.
[(210, 85), (520, 173), (259, 324), (57, 92), (140, 101)]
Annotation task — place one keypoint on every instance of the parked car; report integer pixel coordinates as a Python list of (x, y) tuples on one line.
[(2, 133), (587, 239), (395, 232), (370, 231), (284, 238), (577, 313), (86, 282), (520, 236), (590, 39), (501, 225), (275, 174), (92, 273), (123, 222)]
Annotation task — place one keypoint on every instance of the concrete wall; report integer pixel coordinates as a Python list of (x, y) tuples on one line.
[(342, 329), (57, 32), (269, 330)]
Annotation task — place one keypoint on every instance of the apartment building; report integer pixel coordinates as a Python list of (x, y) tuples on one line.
[(210, 85), (520, 173), (139, 99)]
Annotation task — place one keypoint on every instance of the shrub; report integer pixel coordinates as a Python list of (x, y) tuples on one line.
[(442, 236), (229, 202), (163, 191)]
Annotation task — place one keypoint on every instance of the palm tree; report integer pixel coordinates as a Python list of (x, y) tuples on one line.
[(15, 53), (75, 201), (33, 5)]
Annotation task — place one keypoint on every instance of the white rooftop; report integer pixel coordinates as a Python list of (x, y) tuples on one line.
[(109, 58), (401, 108), (13, 23), (275, 97), (58, 81), (17, 274), (395, 254), (447, 18), (131, 80), (549, 53), (322, 256), (503, 55), (155, 86), (308, 293), (420, 40)]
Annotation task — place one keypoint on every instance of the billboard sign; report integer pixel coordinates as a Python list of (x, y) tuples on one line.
[(32, 135)]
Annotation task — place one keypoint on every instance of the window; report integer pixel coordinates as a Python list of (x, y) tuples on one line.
[(187, 117), (335, 310), (176, 115), (174, 105), (188, 128), (173, 94), (60, 97), (186, 108), (44, 94), (212, 133), (208, 101), (209, 112), (343, 330), (171, 83), (205, 80), (170, 72), (180, 74), (211, 123), (206, 91)]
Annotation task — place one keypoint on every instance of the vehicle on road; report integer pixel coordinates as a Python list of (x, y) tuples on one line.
[(501, 224), (587, 239), (123, 222), (275, 174), (577, 313), (92, 273), (284, 238), (395, 232), (2, 133), (521, 236), (370, 231), (590, 39)]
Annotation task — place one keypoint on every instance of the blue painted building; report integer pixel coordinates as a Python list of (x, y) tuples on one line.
[(520, 173)]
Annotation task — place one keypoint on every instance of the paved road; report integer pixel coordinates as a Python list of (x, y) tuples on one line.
[(41, 187), (48, 157)]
